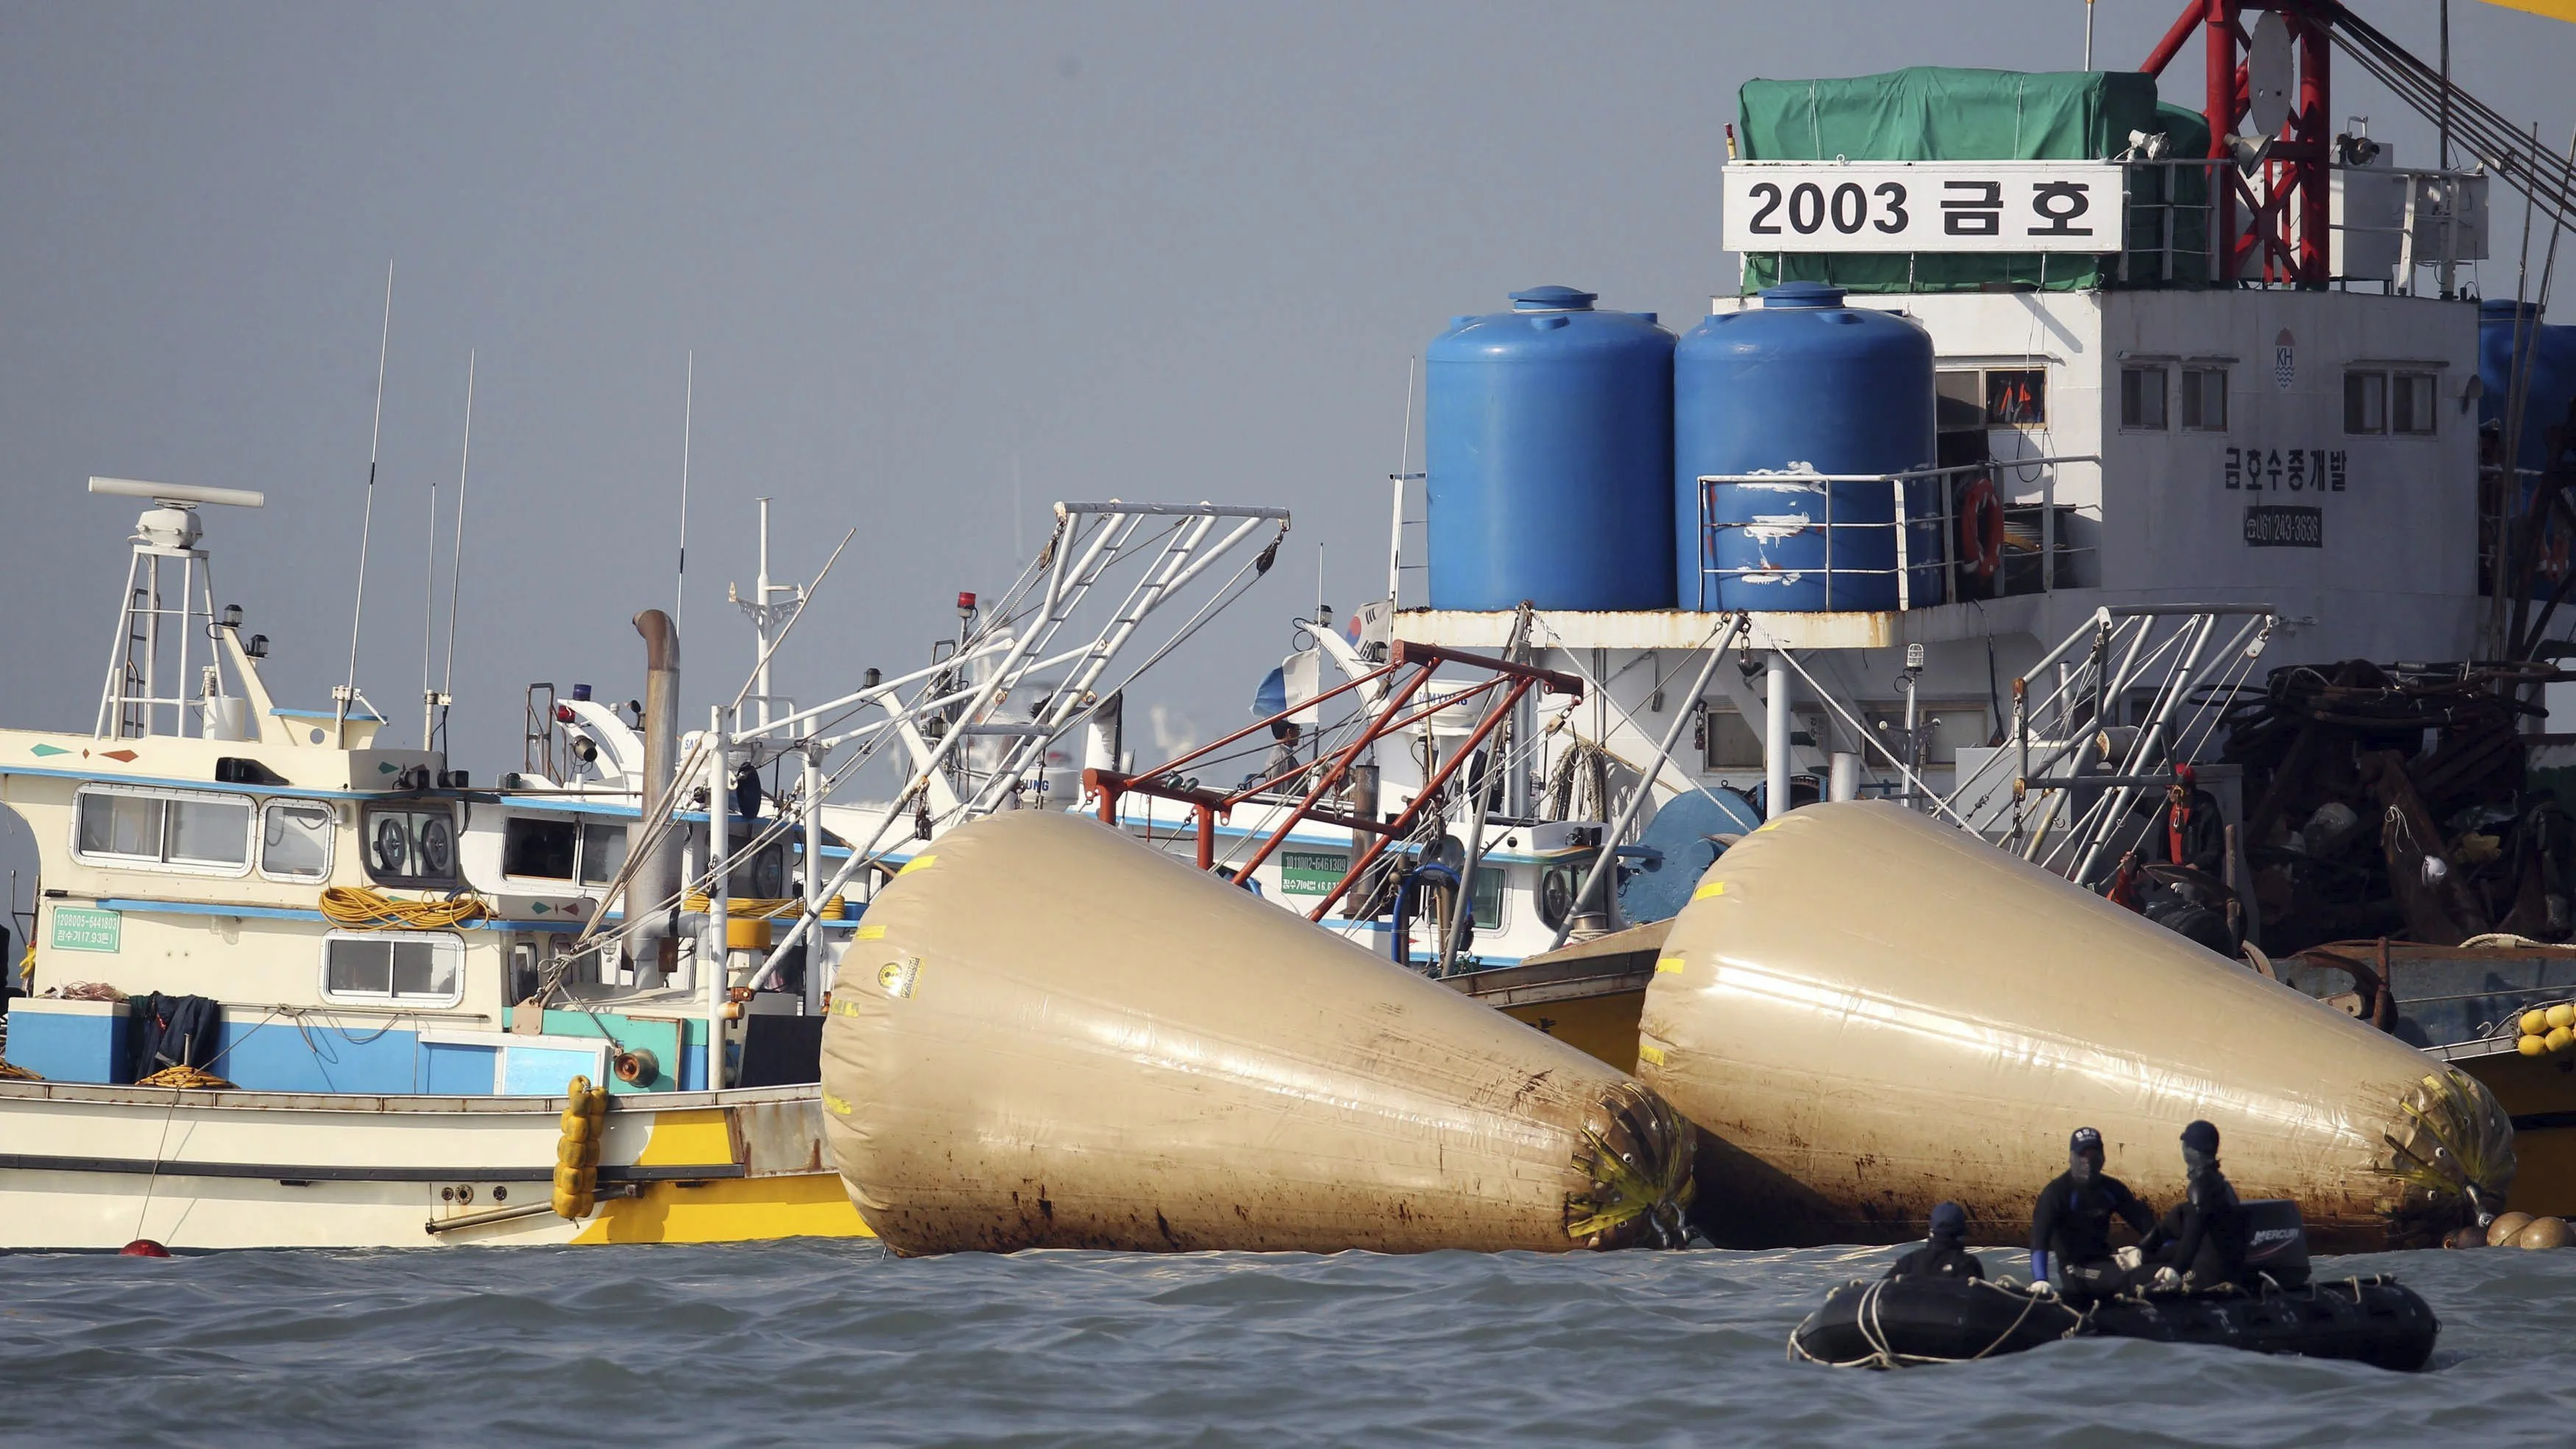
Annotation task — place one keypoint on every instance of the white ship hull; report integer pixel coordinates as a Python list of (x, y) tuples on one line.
[(96, 1167)]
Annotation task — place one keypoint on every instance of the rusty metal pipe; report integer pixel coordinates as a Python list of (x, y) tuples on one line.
[(653, 886)]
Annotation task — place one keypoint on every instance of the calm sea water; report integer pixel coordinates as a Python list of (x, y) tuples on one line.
[(814, 1342)]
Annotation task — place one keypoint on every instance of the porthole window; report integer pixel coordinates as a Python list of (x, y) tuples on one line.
[(411, 845), (295, 840)]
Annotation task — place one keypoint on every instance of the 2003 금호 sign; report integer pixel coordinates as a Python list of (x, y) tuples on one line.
[(1924, 206)]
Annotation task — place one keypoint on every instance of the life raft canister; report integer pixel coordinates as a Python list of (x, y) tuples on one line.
[(1981, 528)]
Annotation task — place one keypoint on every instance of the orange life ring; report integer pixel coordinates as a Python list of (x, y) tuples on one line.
[(1981, 528)]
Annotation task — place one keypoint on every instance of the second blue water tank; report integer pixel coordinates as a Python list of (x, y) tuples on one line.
[(1547, 437), (1803, 384)]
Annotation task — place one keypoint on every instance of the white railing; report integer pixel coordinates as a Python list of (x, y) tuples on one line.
[(1941, 519)]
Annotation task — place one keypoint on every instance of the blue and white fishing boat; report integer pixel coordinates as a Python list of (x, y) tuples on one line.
[(292, 986)]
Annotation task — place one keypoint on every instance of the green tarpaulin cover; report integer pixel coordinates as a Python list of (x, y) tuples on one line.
[(1936, 113)]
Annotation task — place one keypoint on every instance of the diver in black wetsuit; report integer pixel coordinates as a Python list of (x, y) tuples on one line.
[(2201, 1243), (2070, 1227), (1946, 1255)]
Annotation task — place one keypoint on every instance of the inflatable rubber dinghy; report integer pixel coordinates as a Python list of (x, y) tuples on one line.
[(1048, 1035), (1866, 1012), (1904, 1321)]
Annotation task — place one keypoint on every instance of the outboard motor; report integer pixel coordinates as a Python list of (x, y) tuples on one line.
[(2276, 1242)]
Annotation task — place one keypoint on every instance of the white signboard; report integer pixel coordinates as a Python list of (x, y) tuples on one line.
[(1924, 206)]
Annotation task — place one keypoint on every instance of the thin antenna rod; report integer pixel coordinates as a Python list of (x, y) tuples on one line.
[(367, 522), (456, 567), (688, 414), (429, 621), (1403, 463)]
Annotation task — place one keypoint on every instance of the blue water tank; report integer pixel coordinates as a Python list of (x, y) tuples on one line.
[(2550, 353), (1548, 434), (1803, 384)]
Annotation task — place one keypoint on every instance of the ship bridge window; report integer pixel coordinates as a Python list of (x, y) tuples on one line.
[(2365, 402), (295, 840), (2377, 400), (2410, 403), (162, 829), (1959, 402), (2142, 398), (539, 848), (412, 968), (2016, 397), (1944, 728), (1728, 743), (603, 853), (2204, 399), (411, 845)]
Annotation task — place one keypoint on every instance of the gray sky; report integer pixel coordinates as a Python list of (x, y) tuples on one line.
[(1179, 251)]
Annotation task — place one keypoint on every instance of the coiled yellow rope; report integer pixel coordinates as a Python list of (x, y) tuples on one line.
[(12, 1072), (183, 1076), (356, 908)]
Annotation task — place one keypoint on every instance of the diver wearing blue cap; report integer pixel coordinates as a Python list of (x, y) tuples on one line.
[(2070, 1227), (1946, 1255)]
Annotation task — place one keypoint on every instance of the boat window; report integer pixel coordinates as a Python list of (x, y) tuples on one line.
[(411, 845), (2142, 398), (1959, 401), (1728, 742), (2410, 403), (1489, 897), (2204, 399), (2017, 397), (1945, 728), (295, 840), (178, 829), (2365, 402), (411, 967), (121, 824), (603, 853), (538, 848)]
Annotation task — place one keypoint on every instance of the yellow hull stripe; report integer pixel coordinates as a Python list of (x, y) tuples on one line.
[(729, 1210), (686, 1139)]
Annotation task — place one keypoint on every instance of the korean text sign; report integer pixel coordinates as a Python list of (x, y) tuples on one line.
[(1924, 206)]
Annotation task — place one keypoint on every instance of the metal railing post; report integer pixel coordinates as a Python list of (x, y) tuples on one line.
[(1904, 576)]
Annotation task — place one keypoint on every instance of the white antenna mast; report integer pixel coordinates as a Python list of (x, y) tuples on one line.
[(688, 411), (347, 693), (456, 567), (1403, 461), (429, 619)]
